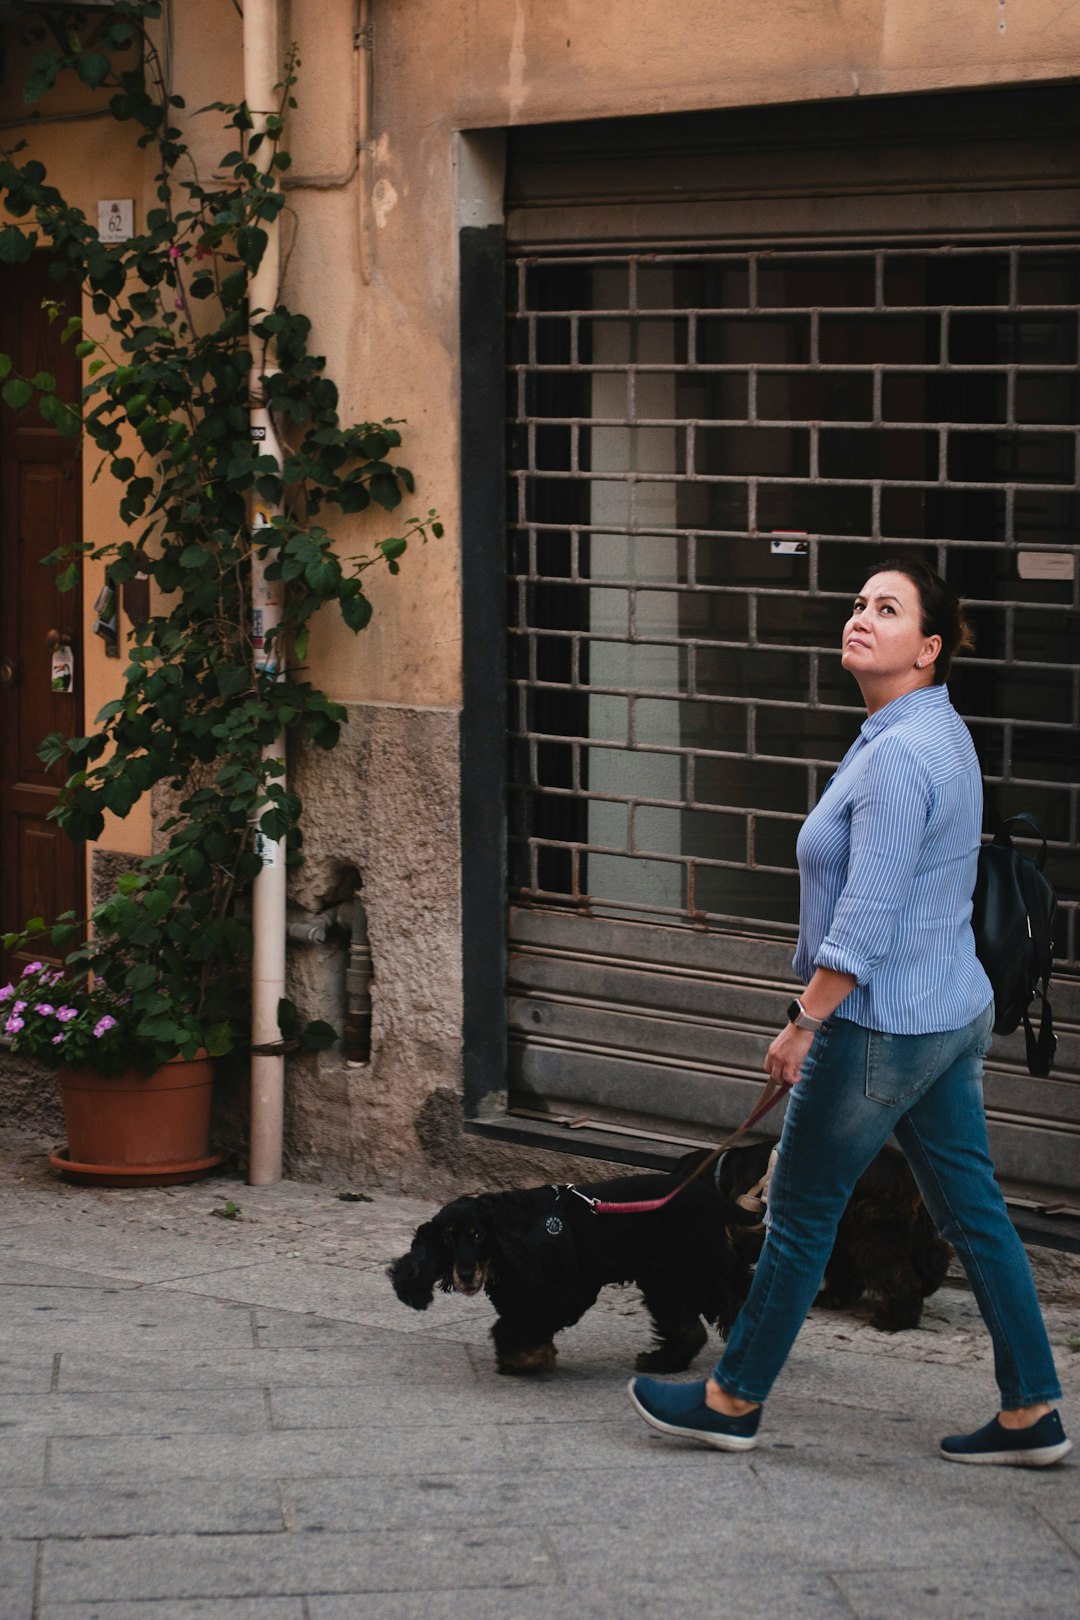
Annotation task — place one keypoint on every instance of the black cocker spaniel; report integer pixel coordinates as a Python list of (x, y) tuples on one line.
[(542, 1255)]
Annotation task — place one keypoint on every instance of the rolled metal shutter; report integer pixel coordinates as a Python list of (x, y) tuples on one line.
[(749, 351)]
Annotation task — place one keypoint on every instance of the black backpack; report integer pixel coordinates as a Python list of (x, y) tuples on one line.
[(1012, 917)]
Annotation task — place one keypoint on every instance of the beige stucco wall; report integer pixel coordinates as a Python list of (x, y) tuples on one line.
[(534, 61), (446, 65), (370, 242)]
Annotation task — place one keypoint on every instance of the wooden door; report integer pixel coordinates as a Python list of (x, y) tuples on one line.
[(41, 871)]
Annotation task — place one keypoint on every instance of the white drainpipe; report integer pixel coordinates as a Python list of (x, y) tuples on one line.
[(262, 71)]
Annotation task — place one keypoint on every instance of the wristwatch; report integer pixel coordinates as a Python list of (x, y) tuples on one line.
[(798, 1016)]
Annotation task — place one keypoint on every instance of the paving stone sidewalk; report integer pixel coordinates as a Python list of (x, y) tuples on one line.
[(204, 1418)]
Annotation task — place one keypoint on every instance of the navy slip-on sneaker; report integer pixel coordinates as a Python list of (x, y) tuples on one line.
[(680, 1409), (1037, 1446)]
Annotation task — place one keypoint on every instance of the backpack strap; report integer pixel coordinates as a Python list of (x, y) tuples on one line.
[(1003, 836), (1040, 1048)]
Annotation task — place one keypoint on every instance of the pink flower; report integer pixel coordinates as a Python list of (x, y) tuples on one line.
[(32, 967), (44, 1009), (66, 1014), (18, 1006), (103, 1025), (57, 1039), (7, 992), (179, 303), (13, 1026), (176, 253)]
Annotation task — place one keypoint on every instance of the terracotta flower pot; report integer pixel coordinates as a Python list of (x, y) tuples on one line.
[(138, 1130)]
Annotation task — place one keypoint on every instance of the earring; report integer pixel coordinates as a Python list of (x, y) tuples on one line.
[(918, 664)]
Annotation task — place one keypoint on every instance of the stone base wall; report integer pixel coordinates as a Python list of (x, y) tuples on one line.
[(384, 806), (30, 1097)]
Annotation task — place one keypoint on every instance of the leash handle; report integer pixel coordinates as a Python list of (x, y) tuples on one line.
[(771, 1093)]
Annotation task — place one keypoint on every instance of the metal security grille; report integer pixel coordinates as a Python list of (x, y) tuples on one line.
[(706, 451)]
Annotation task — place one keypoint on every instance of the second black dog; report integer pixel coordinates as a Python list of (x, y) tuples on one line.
[(886, 1244)]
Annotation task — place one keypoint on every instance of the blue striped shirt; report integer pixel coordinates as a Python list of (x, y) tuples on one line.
[(887, 861)]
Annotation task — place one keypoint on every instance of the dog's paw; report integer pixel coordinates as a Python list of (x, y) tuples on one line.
[(669, 1359), (527, 1363)]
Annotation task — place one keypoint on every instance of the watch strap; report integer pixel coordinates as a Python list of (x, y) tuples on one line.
[(798, 1016)]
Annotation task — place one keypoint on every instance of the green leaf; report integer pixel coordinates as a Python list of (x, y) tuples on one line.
[(143, 976), (318, 1036), (93, 68), (218, 1040), (36, 85), (53, 748), (251, 245), (15, 246), (356, 611), (288, 1019), (68, 422), (17, 393), (384, 490)]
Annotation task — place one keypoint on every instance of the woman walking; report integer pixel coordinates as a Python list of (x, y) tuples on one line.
[(888, 1037)]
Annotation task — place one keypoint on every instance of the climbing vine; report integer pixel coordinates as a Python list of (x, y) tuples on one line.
[(165, 407)]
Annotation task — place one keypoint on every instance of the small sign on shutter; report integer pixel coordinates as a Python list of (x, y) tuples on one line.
[(1045, 564)]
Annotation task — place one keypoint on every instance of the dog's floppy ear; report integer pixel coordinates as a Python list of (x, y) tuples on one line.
[(415, 1275)]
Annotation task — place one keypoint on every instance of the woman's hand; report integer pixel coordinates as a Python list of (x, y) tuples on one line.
[(784, 1059)]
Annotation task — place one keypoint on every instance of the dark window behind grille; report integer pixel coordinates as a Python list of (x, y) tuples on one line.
[(706, 452)]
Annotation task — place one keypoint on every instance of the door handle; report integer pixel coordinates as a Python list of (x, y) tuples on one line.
[(7, 673)]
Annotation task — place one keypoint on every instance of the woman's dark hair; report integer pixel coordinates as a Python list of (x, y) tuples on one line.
[(942, 610)]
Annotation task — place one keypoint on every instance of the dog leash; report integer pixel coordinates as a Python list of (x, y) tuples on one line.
[(772, 1091)]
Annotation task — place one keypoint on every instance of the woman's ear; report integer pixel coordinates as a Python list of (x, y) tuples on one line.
[(931, 648)]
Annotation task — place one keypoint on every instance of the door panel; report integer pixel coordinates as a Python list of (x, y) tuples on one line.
[(41, 871)]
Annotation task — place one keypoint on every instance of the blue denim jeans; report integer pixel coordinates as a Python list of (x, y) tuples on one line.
[(858, 1087)]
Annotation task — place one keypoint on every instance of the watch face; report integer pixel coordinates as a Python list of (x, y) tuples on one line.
[(793, 1012)]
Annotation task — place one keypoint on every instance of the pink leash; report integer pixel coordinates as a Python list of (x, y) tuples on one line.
[(771, 1095)]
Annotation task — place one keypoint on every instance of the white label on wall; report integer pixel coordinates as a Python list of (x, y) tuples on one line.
[(116, 219), (1046, 564)]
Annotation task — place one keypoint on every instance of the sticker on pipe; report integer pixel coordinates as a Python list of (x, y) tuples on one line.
[(266, 849)]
